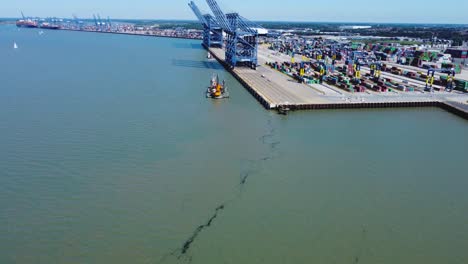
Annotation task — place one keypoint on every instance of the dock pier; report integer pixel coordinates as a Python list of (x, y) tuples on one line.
[(272, 90)]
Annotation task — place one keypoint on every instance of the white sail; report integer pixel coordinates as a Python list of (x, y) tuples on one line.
[(15, 46)]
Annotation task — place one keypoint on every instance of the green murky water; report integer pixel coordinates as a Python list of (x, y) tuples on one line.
[(109, 153)]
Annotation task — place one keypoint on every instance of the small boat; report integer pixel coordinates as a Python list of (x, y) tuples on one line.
[(14, 45), (283, 109), (216, 90), (41, 32), (209, 55)]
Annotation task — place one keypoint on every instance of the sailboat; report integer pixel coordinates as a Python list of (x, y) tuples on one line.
[(14, 45)]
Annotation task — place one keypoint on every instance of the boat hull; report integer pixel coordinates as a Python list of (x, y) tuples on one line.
[(26, 24), (217, 90), (51, 27), (222, 96)]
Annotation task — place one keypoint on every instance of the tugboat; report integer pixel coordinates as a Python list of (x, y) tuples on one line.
[(216, 89)]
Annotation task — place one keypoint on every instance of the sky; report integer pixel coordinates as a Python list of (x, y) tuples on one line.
[(393, 11)]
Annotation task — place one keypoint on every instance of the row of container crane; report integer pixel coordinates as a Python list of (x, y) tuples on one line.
[(102, 25), (237, 34), (55, 23)]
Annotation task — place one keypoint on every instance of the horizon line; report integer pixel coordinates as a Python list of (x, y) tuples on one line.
[(267, 21)]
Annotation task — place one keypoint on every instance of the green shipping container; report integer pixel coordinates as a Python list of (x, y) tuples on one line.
[(461, 85)]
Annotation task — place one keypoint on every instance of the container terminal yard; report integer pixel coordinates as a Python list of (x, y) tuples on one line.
[(286, 71), (293, 73)]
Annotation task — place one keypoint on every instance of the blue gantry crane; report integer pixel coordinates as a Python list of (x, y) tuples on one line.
[(78, 23), (212, 32), (96, 23), (109, 24), (241, 37), (101, 24), (241, 34)]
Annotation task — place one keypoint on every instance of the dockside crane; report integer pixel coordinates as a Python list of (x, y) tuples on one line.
[(109, 24), (212, 32), (96, 22), (100, 23), (78, 23), (376, 69), (242, 37), (431, 77), (323, 69)]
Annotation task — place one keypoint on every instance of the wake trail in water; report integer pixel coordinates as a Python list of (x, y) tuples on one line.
[(267, 140), (360, 252), (182, 254)]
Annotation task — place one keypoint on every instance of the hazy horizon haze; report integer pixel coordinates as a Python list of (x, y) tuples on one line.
[(366, 11)]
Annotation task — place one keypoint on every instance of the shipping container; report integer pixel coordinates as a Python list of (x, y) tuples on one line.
[(461, 85)]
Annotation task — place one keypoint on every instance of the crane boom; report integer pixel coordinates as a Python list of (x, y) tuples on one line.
[(95, 20), (241, 37), (220, 16), (100, 22), (212, 31), (198, 13)]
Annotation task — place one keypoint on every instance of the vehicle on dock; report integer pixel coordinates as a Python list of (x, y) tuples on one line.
[(217, 90)]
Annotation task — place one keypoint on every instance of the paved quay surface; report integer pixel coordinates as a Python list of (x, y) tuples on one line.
[(276, 88)]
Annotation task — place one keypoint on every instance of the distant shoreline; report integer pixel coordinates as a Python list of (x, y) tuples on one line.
[(128, 33), (150, 20), (142, 34)]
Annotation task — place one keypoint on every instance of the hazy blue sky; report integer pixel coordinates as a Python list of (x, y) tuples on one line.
[(412, 11)]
